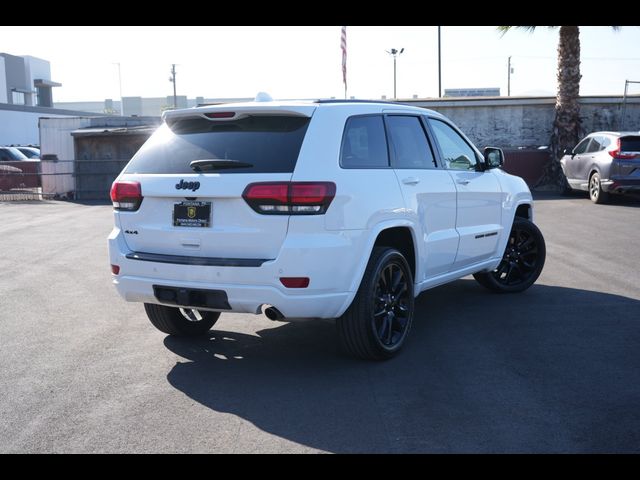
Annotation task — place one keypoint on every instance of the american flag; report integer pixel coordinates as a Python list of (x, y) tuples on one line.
[(343, 46)]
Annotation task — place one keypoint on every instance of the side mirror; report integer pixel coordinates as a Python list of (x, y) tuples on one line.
[(568, 151), (493, 157)]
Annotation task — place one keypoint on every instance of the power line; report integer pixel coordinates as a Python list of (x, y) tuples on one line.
[(613, 58)]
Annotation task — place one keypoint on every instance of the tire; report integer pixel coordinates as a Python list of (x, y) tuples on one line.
[(378, 321), (596, 194), (522, 262), (175, 321)]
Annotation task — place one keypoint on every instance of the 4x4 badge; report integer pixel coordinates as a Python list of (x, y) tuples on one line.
[(193, 186)]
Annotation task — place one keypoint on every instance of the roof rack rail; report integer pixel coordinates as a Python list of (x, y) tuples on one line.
[(334, 100)]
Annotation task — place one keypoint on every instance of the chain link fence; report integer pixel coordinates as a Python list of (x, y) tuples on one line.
[(58, 179)]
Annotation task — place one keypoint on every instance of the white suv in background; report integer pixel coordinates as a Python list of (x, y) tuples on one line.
[(326, 209)]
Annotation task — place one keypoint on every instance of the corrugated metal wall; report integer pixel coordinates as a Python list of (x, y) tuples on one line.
[(99, 160), (57, 153)]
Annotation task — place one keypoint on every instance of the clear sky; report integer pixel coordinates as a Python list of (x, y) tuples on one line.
[(305, 62)]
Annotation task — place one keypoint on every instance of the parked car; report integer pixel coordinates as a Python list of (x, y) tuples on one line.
[(326, 209), (10, 177), (604, 163), (30, 152), (17, 171), (11, 154)]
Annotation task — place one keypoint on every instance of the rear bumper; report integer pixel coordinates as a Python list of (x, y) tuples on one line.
[(329, 260), (241, 298), (621, 185)]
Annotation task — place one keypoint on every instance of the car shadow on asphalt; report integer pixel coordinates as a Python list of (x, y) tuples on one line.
[(549, 370)]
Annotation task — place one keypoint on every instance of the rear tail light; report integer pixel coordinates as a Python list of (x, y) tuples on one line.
[(290, 198), (617, 153), (115, 269), (126, 196)]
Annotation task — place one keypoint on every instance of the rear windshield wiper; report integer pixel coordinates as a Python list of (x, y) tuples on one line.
[(217, 164)]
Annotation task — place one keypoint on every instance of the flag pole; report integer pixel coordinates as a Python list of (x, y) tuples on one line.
[(343, 47)]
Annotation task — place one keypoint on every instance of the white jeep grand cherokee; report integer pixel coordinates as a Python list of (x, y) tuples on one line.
[(326, 209)]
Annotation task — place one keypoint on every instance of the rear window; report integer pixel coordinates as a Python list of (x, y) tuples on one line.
[(630, 144), (271, 144)]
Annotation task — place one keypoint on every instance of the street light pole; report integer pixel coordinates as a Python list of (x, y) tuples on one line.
[(120, 85), (624, 102), (439, 66), (394, 78), (172, 79), (394, 53), (509, 76)]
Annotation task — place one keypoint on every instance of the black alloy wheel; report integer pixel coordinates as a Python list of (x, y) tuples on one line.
[(522, 261), (391, 305), (378, 321)]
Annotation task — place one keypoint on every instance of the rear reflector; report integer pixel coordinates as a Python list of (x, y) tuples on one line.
[(126, 196), (115, 269), (290, 198), (295, 282)]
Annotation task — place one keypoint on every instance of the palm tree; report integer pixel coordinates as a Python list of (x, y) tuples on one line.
[(566, 124)]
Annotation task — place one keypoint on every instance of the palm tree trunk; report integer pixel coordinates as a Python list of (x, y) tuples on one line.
[(566, 125)]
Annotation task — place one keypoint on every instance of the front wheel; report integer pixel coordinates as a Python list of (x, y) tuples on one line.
[(184, 322), (522, 262), (376, 325)]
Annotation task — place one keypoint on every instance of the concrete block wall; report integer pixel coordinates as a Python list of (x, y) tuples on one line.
[(527, 122)]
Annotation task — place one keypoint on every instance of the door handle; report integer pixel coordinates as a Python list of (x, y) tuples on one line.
[(462, 182), (411, 180)]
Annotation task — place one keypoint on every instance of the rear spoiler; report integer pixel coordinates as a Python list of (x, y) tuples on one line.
[(235, 111)]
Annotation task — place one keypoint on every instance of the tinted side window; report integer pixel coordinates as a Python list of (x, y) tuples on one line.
[(364, 144), (456, 152), (409, 143), (582, 146)]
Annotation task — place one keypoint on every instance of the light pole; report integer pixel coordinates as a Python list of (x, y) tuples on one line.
[(624, 102), (394, 53), (172, 79), (509, 72), (439, 66), (120, 84)]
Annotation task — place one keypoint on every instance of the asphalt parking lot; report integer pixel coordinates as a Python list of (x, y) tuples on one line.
[(555, 369)]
